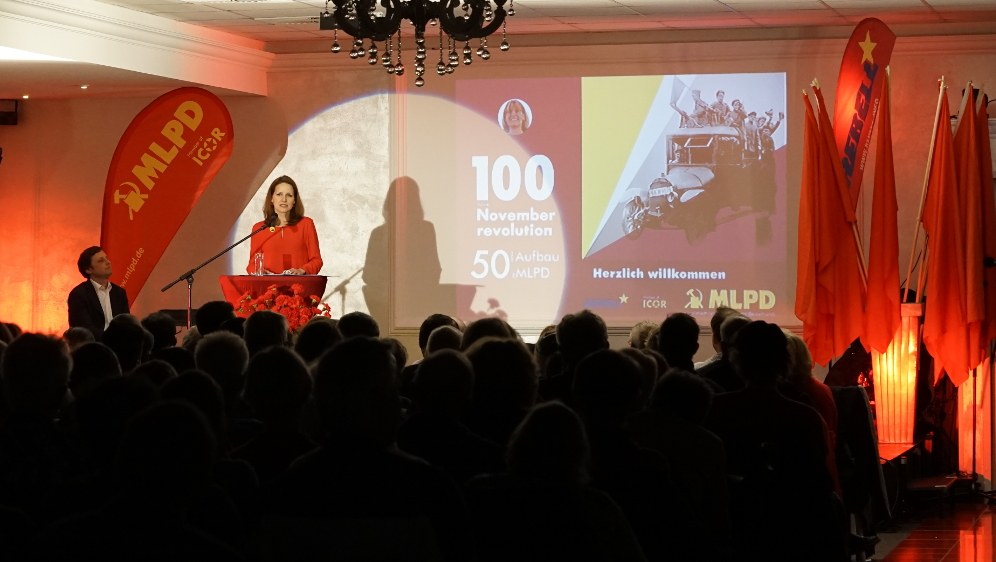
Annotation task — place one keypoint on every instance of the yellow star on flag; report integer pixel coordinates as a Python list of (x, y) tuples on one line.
[(623, 298), (867, 47)]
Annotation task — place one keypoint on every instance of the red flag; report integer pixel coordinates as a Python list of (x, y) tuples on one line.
[(970, 188), (830, 149), (170, 152), (988, 220), (944, 325), (831, 305), (806, 265), (882, 308), (859, 85), (841, 280)]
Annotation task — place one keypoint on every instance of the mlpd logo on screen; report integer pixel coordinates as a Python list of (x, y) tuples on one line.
[(694, 299), (740, 299)]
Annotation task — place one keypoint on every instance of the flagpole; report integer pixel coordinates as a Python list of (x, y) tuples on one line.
[(861, 254), (923, 197)]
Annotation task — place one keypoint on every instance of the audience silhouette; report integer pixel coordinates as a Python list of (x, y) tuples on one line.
[(606, 393), (331, 444), (541, 508), (777, 452), (357, 496), (278, 387), (442, 393)]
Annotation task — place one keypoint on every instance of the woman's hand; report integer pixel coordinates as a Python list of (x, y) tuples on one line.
[(293, 271)]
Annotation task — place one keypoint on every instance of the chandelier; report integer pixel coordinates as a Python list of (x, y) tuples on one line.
[(458, 21)]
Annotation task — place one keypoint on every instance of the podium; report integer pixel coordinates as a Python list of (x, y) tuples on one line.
[(234, 287)]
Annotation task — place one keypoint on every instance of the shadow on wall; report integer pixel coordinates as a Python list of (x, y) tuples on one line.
[(413, 273)]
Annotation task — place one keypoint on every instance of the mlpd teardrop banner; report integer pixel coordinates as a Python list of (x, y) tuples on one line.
[(859, 92), (170, 152)]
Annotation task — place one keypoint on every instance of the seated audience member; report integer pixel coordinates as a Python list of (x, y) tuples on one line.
[(358, 323), (545, 349), (35, 456), (654, 340), (164, 466), (606, 392), (648, 374), (577, 335), (129, 341), (317, 337), (441, 395), (199, 389), (672, 425), (190, 339), (505, 383), (443, 337), (75, 337), (6, 334), (800, 384), (14, 330), (209, 318), (102, 416), (720, 374), (162, 326), (659, 360), (715, 323), (399, 351), (776, 450), (157, 372), (490, 327), (678, 340), (235, 325), (93, 363), (277, 389), (639, 333), (224, 356), (542, 509), (357, 496), (180, 358), (428, 325), (94, 302), (237, 483), (212, 315), (264, 328)]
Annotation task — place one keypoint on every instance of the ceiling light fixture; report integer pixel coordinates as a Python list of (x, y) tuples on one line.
[(459, 21)]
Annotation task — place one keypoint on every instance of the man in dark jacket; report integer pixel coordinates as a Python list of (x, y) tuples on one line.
[(95, 301)]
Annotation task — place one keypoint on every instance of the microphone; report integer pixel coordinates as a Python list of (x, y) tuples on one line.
[(271, 221)]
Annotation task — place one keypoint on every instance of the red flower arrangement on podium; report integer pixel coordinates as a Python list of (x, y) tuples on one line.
[(290, 302)]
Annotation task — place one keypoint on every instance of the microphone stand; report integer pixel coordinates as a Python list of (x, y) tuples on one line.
[(341, 289), (189, 275)]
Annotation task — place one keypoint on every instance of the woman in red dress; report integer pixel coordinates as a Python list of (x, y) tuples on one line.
[(290, 245)]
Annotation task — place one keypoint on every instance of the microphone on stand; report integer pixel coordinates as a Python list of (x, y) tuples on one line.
[(271, 221)]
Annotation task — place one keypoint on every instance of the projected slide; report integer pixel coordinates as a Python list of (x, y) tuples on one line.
[(632, 196)]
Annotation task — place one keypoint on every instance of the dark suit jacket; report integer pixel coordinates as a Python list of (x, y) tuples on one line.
[(85, 310)]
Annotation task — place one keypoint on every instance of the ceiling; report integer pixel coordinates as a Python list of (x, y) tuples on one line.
[(276, 21), (290, 26)]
